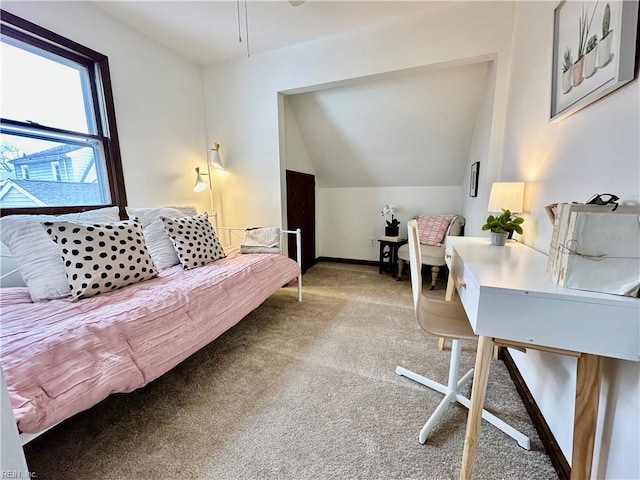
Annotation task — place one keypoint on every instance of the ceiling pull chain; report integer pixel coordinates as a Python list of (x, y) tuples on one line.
[(239, 30), (246, 27)]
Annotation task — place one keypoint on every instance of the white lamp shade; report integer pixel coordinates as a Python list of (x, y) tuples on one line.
[(216, 159), (200, 185), (507, 195)]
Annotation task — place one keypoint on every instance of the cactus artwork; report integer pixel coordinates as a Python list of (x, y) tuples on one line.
[(568, 60), (606, 21), (595, 44), (604, 47), (584, 25)]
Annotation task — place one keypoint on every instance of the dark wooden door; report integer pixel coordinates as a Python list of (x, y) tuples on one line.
[(301, 213)]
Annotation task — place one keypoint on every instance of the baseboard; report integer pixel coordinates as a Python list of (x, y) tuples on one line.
[(552, 448), (371, 263)]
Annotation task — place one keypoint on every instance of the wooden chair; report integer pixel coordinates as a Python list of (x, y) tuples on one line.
[(446, 319)]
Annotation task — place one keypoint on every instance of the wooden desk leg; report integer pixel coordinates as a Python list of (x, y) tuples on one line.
[(448, 296), (478, 391), (451, 285), (586, 414)]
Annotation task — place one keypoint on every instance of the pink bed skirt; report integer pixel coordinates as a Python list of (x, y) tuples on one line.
[(61, 357)]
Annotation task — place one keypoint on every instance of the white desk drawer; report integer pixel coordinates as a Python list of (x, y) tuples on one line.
[(467, 288)]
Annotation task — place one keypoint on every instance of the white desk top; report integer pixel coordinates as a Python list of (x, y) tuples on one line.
[(507, 296), (519, 267)]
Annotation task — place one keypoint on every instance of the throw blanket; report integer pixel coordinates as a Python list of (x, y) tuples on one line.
[(261, 240)]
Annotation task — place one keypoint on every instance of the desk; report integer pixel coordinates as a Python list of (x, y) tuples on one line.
[(506, 296)]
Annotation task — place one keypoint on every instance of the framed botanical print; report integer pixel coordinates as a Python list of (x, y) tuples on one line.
[(594, 52)]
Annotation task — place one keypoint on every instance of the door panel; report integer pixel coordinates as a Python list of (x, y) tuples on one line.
[(301, 213)]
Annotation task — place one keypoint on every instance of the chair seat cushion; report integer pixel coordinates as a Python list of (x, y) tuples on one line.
[(431, 255)]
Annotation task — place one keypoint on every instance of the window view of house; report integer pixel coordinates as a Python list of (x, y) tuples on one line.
[(51, 151)]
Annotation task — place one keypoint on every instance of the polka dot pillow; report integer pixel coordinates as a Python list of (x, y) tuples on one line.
[(100, 257), (194, 239)]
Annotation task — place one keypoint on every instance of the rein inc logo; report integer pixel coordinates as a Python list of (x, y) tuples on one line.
[(17, 474)]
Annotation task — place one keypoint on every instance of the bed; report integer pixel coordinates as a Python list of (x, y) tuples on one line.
[(61, 357)]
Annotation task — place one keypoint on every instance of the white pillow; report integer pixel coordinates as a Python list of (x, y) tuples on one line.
[(100, 257), (158, 242), (39, 259)]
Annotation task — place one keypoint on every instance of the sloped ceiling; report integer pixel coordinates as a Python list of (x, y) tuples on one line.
[(409, 129)]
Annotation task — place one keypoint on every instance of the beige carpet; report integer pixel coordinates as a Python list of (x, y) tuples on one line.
[(298, 391)]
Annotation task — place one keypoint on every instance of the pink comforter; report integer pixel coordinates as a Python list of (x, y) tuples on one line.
[(62, 357)]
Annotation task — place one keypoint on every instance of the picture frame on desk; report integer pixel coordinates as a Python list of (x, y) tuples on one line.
[(473, 179), (594, 52)]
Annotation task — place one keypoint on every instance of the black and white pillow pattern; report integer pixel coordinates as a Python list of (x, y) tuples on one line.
[(194, 239), (100, 257)]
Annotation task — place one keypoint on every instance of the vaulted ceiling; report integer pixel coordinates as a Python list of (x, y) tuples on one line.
[(409, 129)]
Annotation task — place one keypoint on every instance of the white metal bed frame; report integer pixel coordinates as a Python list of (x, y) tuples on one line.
[(238, 233), (232, 232)]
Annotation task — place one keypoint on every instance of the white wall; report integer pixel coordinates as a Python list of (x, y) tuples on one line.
[(242, 95), (484, 151), (159, 101), (348, 218), (596, 150)]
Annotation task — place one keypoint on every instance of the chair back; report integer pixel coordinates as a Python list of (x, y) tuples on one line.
[(415, 263), (436, 316)]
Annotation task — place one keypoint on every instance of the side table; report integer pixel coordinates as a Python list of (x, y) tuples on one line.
[(388, 261)]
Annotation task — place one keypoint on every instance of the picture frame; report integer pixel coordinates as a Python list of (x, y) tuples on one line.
[(594, 52), (473, 179)]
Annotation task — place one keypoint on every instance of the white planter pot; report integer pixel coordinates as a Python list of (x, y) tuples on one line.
[(566, 80), (604, 50), (499, 239), (590, 62), (577, 72)]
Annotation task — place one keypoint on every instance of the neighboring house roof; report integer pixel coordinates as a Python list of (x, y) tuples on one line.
[(55, 193), (7, 185), (54, 153)]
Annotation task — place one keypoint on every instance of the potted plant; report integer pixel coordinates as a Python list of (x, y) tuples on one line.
[(392, 228), (584, 25), (566, 70), (604, 47), (503, 226), (590, 56)]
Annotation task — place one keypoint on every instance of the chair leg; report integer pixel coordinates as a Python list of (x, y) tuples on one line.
[(451, 394), (401, 263), (434, 276)]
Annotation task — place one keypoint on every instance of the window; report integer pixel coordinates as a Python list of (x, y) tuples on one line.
[(55, 170), (58, 140)]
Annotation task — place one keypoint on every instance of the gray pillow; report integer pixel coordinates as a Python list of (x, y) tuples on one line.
[(158, 242), (37, 256)]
